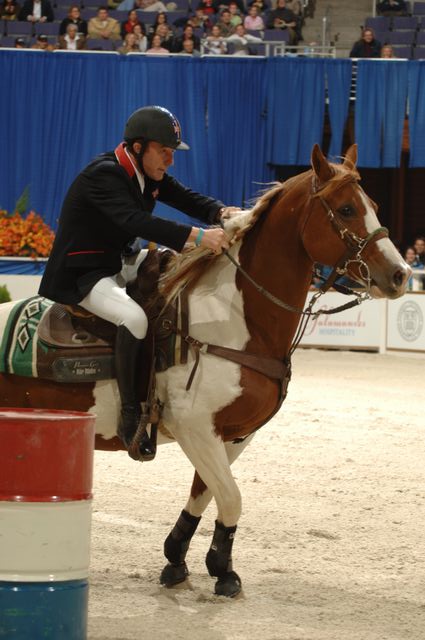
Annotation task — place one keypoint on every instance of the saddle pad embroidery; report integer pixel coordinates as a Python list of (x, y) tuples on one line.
[(18, 348)]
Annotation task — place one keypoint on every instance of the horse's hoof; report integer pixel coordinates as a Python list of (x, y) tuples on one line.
[(228, 585), (173, 574)]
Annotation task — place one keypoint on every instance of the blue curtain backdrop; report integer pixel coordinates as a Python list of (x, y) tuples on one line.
[(295, 89), (417, 113), (338, 82), (381, 96), (238, 116)]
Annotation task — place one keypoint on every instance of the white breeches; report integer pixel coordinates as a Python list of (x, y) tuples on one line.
[(109, 300)]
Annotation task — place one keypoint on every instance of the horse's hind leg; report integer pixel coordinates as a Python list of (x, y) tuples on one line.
[(177, 543)]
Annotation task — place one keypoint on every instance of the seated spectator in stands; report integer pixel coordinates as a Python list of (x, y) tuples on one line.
[(208, 7), (225, 24), (387, 51), (225, 4), (262, 5), (103, 26), (167, 36), (240, 41), (236, 14), (74, 17), (414, 283), (419, 247), (392, 8), (367, 46), (42, 43), (186, 35), (253, 22), (215, 44), (189, 48), (130, 23), (150, 5), (20, 43), (160, 18), (37, 11), (72, 40), (141, 39), (129, 45), (296, 6), (283, 18), (9, 10), (199, 20), (156, 46)]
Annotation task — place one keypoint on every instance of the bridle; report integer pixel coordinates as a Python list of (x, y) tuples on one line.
[(355, 245)]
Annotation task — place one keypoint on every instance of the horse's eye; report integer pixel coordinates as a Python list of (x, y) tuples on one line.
[(346, 211)]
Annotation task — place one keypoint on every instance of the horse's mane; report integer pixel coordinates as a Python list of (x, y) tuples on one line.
[(185, 269)]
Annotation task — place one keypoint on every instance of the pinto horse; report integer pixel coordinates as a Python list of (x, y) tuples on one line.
[(249, 301)]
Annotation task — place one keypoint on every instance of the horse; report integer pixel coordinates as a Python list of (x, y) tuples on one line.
[(248, 303)]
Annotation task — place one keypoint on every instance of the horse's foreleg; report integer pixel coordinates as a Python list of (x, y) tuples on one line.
[(177, 543)]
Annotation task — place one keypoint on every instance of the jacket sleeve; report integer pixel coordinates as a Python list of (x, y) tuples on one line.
[(193, 204), (109, 191)]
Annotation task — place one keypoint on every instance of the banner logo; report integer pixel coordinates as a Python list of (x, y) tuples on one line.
[(410, 321)]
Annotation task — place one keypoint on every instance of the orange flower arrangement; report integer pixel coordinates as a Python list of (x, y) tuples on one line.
[(24, 235)]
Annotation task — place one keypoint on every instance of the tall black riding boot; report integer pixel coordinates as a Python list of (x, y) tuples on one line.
[(128, 360)]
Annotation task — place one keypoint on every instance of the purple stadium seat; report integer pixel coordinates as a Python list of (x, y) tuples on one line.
[(276, 35), (100, 44), (382, 36), (378, 23), (401, 37), (46, 28), (61, 13), (405, 22), (88, 13), (419, 53), (257, 48), (402, 52), (418, 9), (420, 38), (19, 28), (7, 42)]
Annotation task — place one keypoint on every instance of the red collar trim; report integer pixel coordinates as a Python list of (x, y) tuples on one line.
[(124, 160)]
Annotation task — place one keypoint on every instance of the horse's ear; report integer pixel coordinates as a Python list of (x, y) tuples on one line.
[(321, 166), (350, 159)]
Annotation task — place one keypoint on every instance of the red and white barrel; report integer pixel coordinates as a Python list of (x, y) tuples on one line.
[(46, 475)]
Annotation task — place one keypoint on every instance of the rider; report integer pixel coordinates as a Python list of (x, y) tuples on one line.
[(96, 251)]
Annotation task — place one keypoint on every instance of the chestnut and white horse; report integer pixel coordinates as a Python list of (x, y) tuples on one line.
[(321, 216)]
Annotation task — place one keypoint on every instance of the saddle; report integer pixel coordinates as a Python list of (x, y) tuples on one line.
[(79, 346)]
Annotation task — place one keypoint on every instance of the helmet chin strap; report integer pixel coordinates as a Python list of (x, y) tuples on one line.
[(139, 156)]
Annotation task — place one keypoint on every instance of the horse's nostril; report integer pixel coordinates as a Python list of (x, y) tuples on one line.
[(399, 277)]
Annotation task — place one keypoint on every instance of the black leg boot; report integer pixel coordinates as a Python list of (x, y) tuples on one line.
[(128, 361)]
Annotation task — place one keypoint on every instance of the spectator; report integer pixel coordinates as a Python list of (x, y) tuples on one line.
[(367, 46), (160, 18), (189, 48), (130, 23), (199, 20), (74, 17), (283, 18), (419, 246), (235, 14), (414, 283), (141, 39), (9, 10), (72, 40), (392, 8), (225, 24), (42, 43), (103, 26), (150, 5), (156, 46), (261, 5), (215, 44), (187, 35), (129, 45), (253, 22), (166, 35), (20, 43), (37, 11), (387, 51), (225, 4), (240, 40), (208, 7)]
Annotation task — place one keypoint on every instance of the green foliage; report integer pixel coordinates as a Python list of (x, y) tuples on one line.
[(4, 294), (23, 201)]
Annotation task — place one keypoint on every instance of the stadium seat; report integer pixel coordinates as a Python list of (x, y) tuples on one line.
[(101, 44), (418, 9), (402, 52), (378, 23), (420, 38), (419, 53), (7, 42), (19, 28), (276, 35), (46, 28), (405, 22), (401, 37)]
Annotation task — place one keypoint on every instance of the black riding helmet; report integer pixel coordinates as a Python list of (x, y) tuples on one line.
[(156, 124)]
